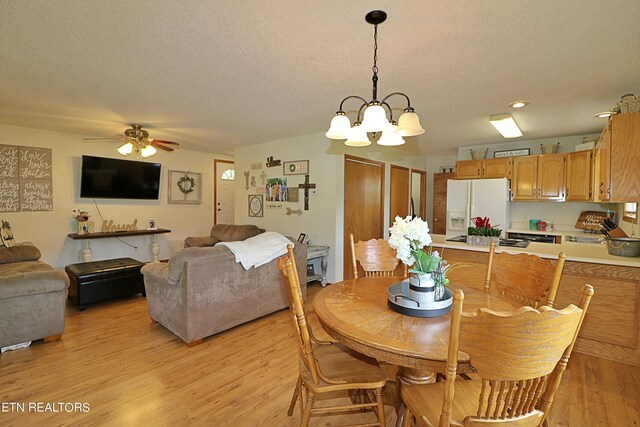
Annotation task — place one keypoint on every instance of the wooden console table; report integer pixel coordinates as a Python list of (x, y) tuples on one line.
[(314, 252), (87, 253)]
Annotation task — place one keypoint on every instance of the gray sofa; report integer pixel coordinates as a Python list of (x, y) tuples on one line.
[(32, 297), (202, 290)]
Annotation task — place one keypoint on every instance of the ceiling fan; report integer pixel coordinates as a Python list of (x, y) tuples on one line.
[(136, 140)]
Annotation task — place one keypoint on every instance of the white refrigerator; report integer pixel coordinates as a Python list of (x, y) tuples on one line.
[(471, 198)]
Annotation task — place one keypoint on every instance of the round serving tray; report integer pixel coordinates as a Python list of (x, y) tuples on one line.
[(399, 301)]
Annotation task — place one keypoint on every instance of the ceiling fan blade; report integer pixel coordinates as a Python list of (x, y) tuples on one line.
[(160, 146), (101, 139), (162, 141)]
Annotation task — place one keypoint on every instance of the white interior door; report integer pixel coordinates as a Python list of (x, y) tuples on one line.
[(225, 176)]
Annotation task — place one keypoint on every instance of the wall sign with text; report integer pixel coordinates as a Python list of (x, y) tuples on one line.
[(26, 182), (296, 167)]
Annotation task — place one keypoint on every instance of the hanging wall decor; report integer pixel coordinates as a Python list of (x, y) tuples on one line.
[(292, 194), (276, 190), (256, 166), (246, 180), (185, 187), (256, 205), (271, 162), (296, 167), (306, 187), (25, 179)]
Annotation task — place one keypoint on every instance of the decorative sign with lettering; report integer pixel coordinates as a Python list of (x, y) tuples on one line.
[(25, 179), (271, 162)]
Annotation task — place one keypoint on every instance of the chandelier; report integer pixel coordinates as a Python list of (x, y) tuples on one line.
[(136, 141), (375, 117)]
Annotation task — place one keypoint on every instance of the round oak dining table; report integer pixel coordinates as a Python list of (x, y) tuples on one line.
[(355, 313)]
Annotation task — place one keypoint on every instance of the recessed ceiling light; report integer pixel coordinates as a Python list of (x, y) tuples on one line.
[(518, 104), (603, 114)]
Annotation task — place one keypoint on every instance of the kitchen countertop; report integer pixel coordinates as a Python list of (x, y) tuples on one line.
[(579, 252), (555, 232)]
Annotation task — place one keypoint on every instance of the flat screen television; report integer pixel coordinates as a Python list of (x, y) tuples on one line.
[(119, 179)]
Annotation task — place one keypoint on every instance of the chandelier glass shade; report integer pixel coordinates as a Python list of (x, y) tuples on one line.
[(377, 116), (141, 148)]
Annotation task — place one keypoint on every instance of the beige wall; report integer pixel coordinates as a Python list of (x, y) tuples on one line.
[(323, 222), (48, 229)]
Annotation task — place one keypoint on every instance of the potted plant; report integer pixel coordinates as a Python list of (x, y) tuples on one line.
[(483, 233), (409, 237), (84, 225)]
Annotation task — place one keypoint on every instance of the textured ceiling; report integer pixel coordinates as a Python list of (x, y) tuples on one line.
[(214, 75)]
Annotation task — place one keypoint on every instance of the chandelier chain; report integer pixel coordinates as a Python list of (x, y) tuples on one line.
[(375, 50)]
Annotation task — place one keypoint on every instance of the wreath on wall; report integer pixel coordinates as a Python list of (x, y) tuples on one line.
[(186, 184)]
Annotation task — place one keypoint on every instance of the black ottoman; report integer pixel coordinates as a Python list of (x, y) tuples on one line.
[(102, 280)]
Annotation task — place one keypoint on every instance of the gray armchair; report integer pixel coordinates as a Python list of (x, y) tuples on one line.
[(32, 297)]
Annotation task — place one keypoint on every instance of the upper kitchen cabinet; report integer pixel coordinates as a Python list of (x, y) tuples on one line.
[(625, 158), (496, 168), (468, 169), (538, 178), (485, 168), (578, 176), (602, 167)]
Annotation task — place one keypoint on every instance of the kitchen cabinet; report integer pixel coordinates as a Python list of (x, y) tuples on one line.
[(537, 178), (468, 169), (602, 167), (624, 157), (578, 176), (496, 168), (484, 168)]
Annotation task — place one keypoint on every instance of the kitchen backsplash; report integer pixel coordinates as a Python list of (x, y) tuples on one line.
[(562, 215)]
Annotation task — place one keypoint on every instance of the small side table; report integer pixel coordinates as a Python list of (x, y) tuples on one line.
[(315, 252)]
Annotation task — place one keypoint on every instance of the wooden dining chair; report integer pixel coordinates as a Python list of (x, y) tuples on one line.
[(326, 367), (519, 356), (527, 279), (375, 256)]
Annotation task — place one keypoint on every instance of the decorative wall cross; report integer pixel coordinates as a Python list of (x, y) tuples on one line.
[(246, 180), (306, 186)]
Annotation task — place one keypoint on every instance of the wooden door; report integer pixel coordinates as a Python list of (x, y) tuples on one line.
[(579, 181), (363, 203), (468, 169), (399, 193), (496, 168), (551, 185), (625, 158), (419, 192), (603, 166), (224, 176), (439, 225), (523, 185)]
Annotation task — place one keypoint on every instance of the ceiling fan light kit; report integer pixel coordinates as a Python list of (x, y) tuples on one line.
[(136, 141), (374, 112)]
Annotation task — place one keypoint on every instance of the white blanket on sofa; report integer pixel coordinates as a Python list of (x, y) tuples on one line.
[(258, 250)]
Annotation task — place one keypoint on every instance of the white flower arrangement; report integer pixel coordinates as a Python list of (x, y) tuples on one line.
[(409, 237)]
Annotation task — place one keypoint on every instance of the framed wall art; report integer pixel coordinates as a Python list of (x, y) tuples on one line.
[(256, 205), (185, 187), (296, 167)]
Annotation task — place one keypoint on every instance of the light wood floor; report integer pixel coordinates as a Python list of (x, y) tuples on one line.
[(132, 372)]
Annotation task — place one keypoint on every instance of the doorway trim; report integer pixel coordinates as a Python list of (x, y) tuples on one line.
[(215, 185)]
